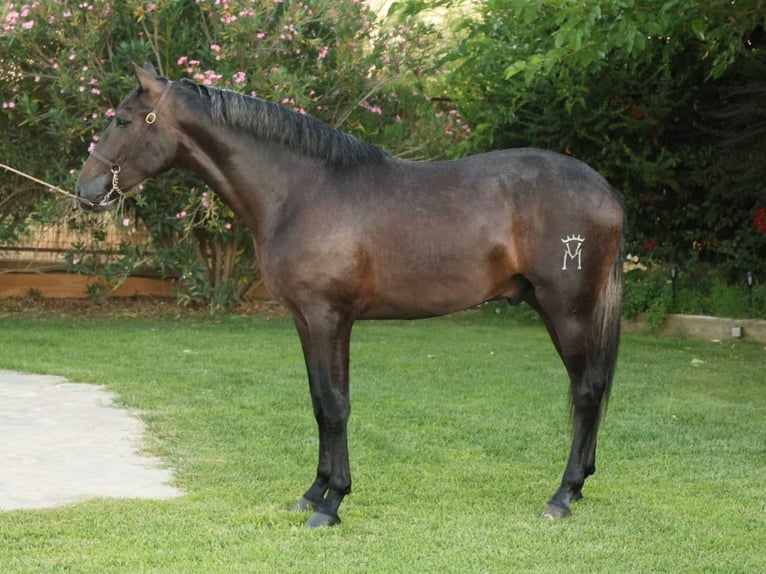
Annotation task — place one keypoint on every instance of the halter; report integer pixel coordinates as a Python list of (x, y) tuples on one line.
[(114, 166)]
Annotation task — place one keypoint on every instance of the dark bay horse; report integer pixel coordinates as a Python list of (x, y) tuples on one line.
[(343, 232)]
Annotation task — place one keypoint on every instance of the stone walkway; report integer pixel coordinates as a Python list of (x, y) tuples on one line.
[(63, 442)]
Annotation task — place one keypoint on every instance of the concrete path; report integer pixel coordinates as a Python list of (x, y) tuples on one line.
[(63, 442)]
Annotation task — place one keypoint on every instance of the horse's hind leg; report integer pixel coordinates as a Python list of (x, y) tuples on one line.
[(589, 381), (587, 389)]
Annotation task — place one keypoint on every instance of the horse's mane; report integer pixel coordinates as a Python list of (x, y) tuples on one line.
[(271, 121)]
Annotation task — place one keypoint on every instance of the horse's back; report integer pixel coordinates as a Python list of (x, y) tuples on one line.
[(528, 175)]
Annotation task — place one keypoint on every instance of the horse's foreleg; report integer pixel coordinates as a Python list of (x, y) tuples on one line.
[(327, 338), (314, 496)]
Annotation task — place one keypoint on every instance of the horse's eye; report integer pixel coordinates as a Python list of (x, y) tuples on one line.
[(121, 122)]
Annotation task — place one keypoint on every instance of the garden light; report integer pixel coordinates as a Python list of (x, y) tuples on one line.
[(673, 277)]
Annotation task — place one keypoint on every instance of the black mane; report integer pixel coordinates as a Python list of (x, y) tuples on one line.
[(271, 121)]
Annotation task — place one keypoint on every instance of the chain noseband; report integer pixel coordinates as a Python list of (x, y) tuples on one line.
[(115, 169), (114, 166)]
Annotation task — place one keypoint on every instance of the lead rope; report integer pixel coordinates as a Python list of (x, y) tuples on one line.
[(50, 188)]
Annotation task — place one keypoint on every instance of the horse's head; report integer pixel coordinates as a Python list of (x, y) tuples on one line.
[(140, 142)]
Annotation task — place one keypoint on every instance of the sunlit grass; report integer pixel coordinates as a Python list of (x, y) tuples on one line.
[(458, 435)]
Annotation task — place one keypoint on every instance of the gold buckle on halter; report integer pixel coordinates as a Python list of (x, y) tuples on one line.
[(151, 117)]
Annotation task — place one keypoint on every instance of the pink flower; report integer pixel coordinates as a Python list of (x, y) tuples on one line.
[(28, 25), (240, 78), (182, 60), (126, 222), (260, 35), (216, 48), (323, 52), (109, 113), (370, 108)]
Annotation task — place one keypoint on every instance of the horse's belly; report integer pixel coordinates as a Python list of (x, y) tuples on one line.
[(407, 297)]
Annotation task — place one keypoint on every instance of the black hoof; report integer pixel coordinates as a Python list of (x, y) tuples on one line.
[(321, 520), (303, 505), (553, 512)]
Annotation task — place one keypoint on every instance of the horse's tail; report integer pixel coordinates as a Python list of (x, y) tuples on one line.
[(605, 337)]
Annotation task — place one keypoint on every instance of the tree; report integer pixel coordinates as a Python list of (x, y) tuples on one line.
[(661, 96)]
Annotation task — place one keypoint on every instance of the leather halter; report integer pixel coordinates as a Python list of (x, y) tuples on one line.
[(115, 165)]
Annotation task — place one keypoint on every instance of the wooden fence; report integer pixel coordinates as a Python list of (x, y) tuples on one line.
[(37, 265)]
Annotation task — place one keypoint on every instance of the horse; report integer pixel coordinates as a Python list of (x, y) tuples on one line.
[(344, 231)]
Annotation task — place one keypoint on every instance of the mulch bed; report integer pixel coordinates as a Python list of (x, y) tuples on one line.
[(125, 307)]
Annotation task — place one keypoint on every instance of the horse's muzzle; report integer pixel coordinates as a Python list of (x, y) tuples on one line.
[(91, 196)]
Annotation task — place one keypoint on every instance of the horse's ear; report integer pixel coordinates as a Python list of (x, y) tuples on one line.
[(146, 76), (149, 67)]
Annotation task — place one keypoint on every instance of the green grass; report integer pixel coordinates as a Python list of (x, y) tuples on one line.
[(458, 436)]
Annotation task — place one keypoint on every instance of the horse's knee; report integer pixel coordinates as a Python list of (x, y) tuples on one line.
[(335, 414)]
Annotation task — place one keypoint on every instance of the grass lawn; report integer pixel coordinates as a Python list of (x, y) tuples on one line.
[(458, 436)]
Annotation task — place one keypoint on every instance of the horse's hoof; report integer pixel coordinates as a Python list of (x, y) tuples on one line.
[(321, 520), (553, 512), (303, 505)]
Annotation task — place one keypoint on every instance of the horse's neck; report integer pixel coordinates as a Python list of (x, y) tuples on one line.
[(253, 178)]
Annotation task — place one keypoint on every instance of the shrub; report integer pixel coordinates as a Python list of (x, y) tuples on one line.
[(700, 290)]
